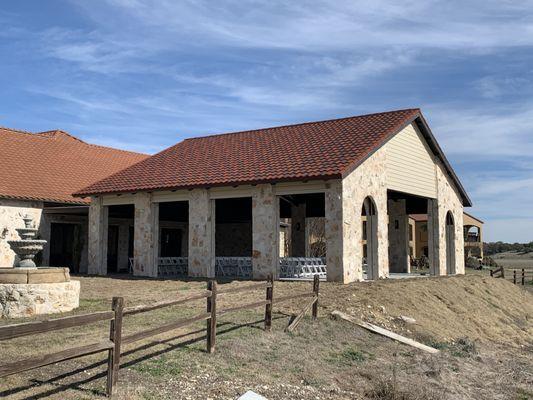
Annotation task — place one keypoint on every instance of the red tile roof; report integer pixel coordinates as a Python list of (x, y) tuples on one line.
[(50, 166), (314, 150)]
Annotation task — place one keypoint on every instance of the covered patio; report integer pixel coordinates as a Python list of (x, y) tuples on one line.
[(291, 202)]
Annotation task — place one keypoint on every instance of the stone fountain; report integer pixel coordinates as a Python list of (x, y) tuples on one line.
[(26, 290)]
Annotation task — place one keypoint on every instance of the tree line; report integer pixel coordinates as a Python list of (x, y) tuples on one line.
[(500, 247)]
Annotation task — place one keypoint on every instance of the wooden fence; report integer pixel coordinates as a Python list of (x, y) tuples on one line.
[(118, 312), (520, 276), (497, 272)]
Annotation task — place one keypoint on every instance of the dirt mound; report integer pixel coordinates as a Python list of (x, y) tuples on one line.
[(445, 309)]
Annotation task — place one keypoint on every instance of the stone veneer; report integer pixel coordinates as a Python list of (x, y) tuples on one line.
[(11, 213), (398, 236), (449, 200), (26, 300), (344, 233), (145, 235), (201, 234), (265, 235)]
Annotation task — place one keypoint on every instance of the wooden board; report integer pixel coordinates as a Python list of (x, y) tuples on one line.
[(294, 323), (384, 332)]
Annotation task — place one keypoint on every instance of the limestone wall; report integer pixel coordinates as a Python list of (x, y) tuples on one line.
[(98, 221), (145, 235), (265, 220), (449, 200), (11, 212), (344, 233), (201, 235)]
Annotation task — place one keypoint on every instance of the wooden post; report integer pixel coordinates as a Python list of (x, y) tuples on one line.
[(212, 322), (115, 335), (514, 276), (503, 272), (268, 306), (523, 277), (316, 283)]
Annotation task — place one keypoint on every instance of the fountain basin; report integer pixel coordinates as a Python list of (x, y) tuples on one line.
[(25, 292), (34, 275)]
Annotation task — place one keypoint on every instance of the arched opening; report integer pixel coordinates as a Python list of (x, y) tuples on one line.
[(450, 244), (370, 238)]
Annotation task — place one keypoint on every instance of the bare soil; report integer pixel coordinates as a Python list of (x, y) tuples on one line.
[(484, 327)]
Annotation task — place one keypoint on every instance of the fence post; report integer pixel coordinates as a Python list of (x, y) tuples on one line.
[(268, 306), (316, 283), (503, 272), (514, 276), (212, 321), (115, 335), (523, 277), (491, 273)]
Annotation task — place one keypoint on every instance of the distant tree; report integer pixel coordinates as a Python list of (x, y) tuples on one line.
[(500, 247)]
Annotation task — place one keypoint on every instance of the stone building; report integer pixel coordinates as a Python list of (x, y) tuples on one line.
[(224, 196), (38, 174)]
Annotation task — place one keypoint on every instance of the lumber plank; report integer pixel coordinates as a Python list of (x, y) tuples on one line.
[(41, 361), (385, 332), (30, 328), (164, 328), (296, 321), (161, 304)]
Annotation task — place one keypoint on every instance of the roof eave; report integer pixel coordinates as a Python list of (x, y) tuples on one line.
[(207, 186)]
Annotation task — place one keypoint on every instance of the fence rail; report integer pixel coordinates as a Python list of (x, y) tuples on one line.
[(520, 276), (118, 312)]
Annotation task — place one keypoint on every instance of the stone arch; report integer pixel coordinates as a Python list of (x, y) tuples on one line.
[(370, 235), (450, 244)]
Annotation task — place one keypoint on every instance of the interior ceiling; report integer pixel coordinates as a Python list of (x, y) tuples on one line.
[(233, 210), (414, 204), (314, 204)]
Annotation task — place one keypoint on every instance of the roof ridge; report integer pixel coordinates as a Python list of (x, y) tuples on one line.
[(301, 124), (49, 134), (16, 130), (54, 132)]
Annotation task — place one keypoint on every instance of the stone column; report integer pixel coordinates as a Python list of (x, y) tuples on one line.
[(201, 235), (123, 241), (334, 234), (343, 229), (434, 238), (265, 232), (398, 236), (146, 227), (298, 231), (97, 248)]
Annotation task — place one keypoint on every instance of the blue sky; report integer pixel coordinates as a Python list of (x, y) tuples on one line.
[(143, 75)]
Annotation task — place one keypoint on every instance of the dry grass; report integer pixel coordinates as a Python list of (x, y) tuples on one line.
[(484, 335)]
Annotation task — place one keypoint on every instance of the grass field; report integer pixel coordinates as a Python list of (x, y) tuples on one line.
[(484, 333)]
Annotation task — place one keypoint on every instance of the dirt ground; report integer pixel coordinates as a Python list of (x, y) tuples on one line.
[(483, 326)]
